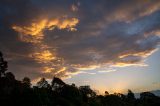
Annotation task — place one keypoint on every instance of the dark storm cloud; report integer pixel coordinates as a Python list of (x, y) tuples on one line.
[(106, 42), (115, 32)]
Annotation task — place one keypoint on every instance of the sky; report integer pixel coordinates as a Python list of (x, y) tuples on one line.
[(110, 45)]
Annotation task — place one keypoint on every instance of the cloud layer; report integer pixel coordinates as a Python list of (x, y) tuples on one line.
[(63, 38)]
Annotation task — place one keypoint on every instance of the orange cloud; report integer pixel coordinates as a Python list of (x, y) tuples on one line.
[(48, 70), (44, 56), (125, 64), (140, 54), (33, 34), (34, 29), (89, 67), (61, 70)]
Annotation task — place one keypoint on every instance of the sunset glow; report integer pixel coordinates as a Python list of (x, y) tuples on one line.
[(110, 45)]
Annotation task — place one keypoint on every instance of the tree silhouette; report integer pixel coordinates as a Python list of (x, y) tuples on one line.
[(130, 98), (3, 65), (27, 82), (146, 95), (42, 83), (57, 83), (130, 95), (106, 93), (149, 99), (10, 76), (87, 92)]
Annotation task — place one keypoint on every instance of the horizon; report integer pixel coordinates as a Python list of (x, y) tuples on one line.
[(110, 45)]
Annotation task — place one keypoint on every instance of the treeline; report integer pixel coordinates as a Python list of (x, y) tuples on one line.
[(20, 93)]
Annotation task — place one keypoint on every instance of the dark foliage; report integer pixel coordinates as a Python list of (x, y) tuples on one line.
[(20, 93), (3, 65)]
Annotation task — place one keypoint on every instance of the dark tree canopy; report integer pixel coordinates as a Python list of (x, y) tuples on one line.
[(57, 83), (3, 65), (27, 82), (10, 76), (130, 95), (42, 83)]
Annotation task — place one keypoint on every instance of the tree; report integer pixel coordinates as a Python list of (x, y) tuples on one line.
[(10, 76), (42, 83), (87, 92), (149, 99), (146, 95), (27, 82), (3, 65), (130, 98), (130, 95), (106, 93), (57, 83)]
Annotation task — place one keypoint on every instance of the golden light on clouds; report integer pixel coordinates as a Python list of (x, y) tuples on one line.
[(44, 56), (124, 64), (140, 54), (34, 29), (92, 41), (88, 52), (108, 70), (62, 23), (68, 23), (33, 34), (90, 67), (48, 70), (125, 61), (61, 70)]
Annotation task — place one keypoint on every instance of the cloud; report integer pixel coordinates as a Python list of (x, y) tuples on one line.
[(131, 10), (106, 71), (65, 39), (34, 34)]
